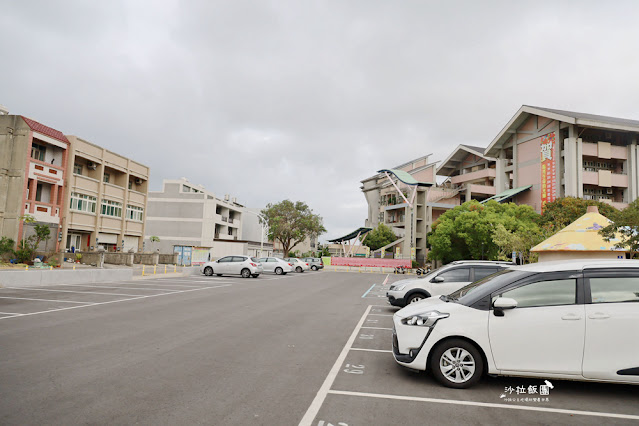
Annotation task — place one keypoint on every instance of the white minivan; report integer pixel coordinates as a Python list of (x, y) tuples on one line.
[(568, 320)]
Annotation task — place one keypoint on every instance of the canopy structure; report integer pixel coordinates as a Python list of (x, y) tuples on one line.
[(406, 179), (351, 240), (506, 195)]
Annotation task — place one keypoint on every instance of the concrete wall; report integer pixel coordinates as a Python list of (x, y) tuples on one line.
[(35, 278)]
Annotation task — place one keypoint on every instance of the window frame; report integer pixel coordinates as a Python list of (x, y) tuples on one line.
[(107, 204), (606, 273), (132, 211), (545, 276), (468, 268), (83, 199)]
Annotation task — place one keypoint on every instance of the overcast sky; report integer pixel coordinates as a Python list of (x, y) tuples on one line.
[(301, 100)]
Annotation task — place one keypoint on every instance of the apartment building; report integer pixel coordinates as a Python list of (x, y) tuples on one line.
[(543, 154), (107, 196), (191, 221), (33, 168)]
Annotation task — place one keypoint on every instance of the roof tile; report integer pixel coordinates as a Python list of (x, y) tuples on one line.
[(45, 130)]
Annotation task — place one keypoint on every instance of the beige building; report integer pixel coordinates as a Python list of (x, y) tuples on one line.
[(106, 199)]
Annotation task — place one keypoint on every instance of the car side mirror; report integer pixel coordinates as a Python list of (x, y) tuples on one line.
[(502, 303), (437, 280)]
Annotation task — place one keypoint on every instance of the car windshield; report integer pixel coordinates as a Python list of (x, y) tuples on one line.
[(494, 281)]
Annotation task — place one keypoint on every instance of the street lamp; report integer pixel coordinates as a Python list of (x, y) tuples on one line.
[(264, 226)]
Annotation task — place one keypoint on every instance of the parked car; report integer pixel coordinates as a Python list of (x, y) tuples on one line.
[(444, 280), (566, 320), (315, 262), (276, 265), (298, 264), (233, 265)]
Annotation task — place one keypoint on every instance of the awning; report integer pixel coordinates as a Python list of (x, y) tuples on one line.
[(352, 235), (405, 177), (503, 196)]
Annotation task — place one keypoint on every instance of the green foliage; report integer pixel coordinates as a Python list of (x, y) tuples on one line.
[(564, 211), (25, 253), (154, 239), (78, 255), (379, 237), (467, 231), (6, 247), (291, 223), (415, 264), (322, 251), (52, 261), (626, 227)]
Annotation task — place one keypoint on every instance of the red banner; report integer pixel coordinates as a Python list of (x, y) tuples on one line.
[(548, 169), (370, 262)]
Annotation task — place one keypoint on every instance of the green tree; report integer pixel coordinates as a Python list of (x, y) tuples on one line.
[(379, 237), (291, 223), (466, 232), (626, 227), (28, 246), (564, 211)]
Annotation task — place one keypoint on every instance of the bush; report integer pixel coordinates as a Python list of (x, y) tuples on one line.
[(415, 264), (24, 253), (53, 262), (78, 256), (6, 247)]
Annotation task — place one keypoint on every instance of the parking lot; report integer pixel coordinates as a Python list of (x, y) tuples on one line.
[(313, 348)]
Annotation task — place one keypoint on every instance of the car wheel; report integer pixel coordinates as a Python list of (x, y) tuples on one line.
[(456, 363), (298, 269), (314, 268), (208, 271), (278, 271), (245, 273), (416, 297), (219, 275)]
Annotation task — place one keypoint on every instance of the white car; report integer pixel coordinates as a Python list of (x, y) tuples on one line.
[(298, 264), (233, 265), (567, 320), (444, 280), (276, 265)]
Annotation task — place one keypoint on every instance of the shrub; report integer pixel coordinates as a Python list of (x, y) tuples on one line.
[(25, 252), (415, 264)]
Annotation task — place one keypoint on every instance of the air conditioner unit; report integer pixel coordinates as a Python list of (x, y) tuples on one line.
[(91, 165), (588, 197), (138, 181), (609, 191)]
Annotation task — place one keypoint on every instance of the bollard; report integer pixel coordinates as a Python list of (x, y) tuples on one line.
[(142, 270), (165, 269), (154, 267), (27, 268), (175, 268), (74, 266), (50, 268)]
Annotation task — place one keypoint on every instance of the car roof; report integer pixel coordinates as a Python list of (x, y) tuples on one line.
[(480, 262), (576, 265)]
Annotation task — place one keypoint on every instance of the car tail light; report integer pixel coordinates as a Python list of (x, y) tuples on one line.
[(307, 264), (254, 265), (290, 264)]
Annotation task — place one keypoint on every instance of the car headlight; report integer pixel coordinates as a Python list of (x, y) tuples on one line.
[(427, 319), (398, 287)]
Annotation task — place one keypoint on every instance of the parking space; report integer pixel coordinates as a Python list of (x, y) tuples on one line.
[(367, 386)]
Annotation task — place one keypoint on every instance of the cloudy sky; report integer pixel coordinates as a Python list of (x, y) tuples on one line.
[(276, 99)]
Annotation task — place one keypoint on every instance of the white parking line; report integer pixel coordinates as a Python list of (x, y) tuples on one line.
[(379, 328), (129, 288), (45, 300), (71, 291), (153, 284), (111, 301), (382, 315), (386, 279), (312, 411), (370, 350), (9, 313), (486, 404)]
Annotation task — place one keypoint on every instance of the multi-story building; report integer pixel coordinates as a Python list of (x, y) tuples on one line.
[(540, 155), (563, 153), (107, 195), (33, 168), (192, 221), (470, 172), (411, 222)]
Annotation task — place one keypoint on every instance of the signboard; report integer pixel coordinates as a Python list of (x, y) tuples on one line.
[(199, 256), (360, 261), (383, 253), (412, 253), (548, 169), (368, 251), (397, 252)]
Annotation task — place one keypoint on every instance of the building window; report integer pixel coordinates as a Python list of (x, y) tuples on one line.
[(230, 231), (107, 177), (83, 203), (77, 169), (111, 208), (134, 213), (130, 184), (186, 188), (37, 151)]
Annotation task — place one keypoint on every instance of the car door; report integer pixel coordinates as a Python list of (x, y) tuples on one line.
[(264, 262), (454, 279), (612, 324), (545, 332), (236, 265), (222, 265), (271, 264)]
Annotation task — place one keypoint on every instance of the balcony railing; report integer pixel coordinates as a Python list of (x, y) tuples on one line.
[(225, 219)]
